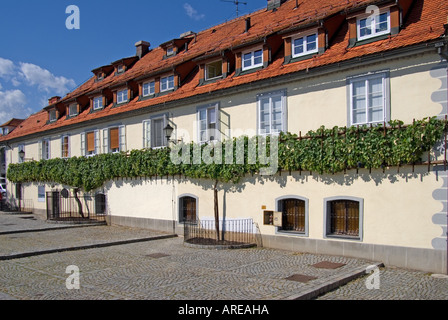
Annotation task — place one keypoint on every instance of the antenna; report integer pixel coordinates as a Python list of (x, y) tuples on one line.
[(236, 3)]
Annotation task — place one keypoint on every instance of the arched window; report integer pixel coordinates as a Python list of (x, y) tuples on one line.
[(294, 214), (187, 209)]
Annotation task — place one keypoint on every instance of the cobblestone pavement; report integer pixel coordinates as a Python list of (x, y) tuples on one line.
[(167, 270)]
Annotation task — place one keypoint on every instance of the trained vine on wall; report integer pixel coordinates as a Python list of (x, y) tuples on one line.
[(326, 151)]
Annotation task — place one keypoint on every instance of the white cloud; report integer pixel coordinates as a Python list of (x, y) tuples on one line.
[(45, 80), (192, 12), (13, 105), (6, 68)]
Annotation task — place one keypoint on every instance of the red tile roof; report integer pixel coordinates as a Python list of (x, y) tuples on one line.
[(424, 23)]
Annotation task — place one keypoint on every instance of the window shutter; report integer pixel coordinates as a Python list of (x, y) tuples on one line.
[(122, 138), (83, 144), (97, 142), (114, 143), (90, 142), (106, 141), (40, 150), (147, 134)]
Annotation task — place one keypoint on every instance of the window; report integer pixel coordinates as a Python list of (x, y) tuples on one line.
[(114, 139), (44, 151), (208, 123), (98, 103), (373, 26), (304, 45), (65, 147), (252, 59), (5, 131), (100, 76), (21, 147), (343, 217), (120, 69), (41, 193), (187, 209), (368, 99), (293, 214), (52, 115), (122, 96), (153, 135), (213, 70), (90, 143), (169, 51), (271, 113), (149, 88), (73, 110), (167, 83)]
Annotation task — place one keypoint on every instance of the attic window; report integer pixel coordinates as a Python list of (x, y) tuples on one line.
[(252, 59), (170, 51), (73, 110), (100, 76), (213, 70), (373, 26), (120, 69), (52, 115), (304, 45), (98, 103)]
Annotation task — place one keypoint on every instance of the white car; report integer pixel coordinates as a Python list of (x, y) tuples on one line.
[(3, 191)]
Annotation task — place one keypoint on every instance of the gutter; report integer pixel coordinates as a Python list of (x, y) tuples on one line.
[(258, 85)]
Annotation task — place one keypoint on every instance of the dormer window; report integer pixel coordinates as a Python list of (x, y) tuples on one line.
[(122, 96), (98, 103), (252, 59), (169, 51), (304, 44), (52, 115), (121, 68), (149, 88), (73, 110), (213, 70), (100, 76), (167, 83), (373, 25)]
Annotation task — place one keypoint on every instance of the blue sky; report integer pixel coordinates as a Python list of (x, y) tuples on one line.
[(41, 58)]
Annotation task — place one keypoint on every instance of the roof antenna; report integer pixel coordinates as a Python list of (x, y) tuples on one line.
[(236, 3)]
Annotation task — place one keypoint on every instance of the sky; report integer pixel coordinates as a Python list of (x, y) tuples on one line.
[(46, 51)]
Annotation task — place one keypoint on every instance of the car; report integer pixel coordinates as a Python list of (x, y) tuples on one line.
[(3, 191)]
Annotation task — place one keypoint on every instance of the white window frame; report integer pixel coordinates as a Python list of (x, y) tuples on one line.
[(305, 44), (68, 146), (169, 51), (121, 139), (52, 115), (253, 65), (270, 96), (98, 103), (207, 73), (151, 137), (166, 81), (385, 97), (208, 131), (96, 134), (150, 88), (122, 96), (72, 113), (121, 69), (373, 19), (45, 149)]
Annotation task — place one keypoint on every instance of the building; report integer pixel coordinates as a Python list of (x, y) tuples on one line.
[(292, 67)]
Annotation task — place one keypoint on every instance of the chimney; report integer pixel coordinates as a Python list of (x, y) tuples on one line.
[(54, 100), (274, 4), (247, 24), (142, 48)]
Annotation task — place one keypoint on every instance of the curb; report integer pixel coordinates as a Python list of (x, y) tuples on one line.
[(91, 246), (50, 228), (332, 283)]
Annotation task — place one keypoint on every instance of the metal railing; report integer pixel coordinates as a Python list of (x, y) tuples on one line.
[(64, 206), (231, 232)]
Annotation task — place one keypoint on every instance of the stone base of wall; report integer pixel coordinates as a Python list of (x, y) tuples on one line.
[(428, 260)]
